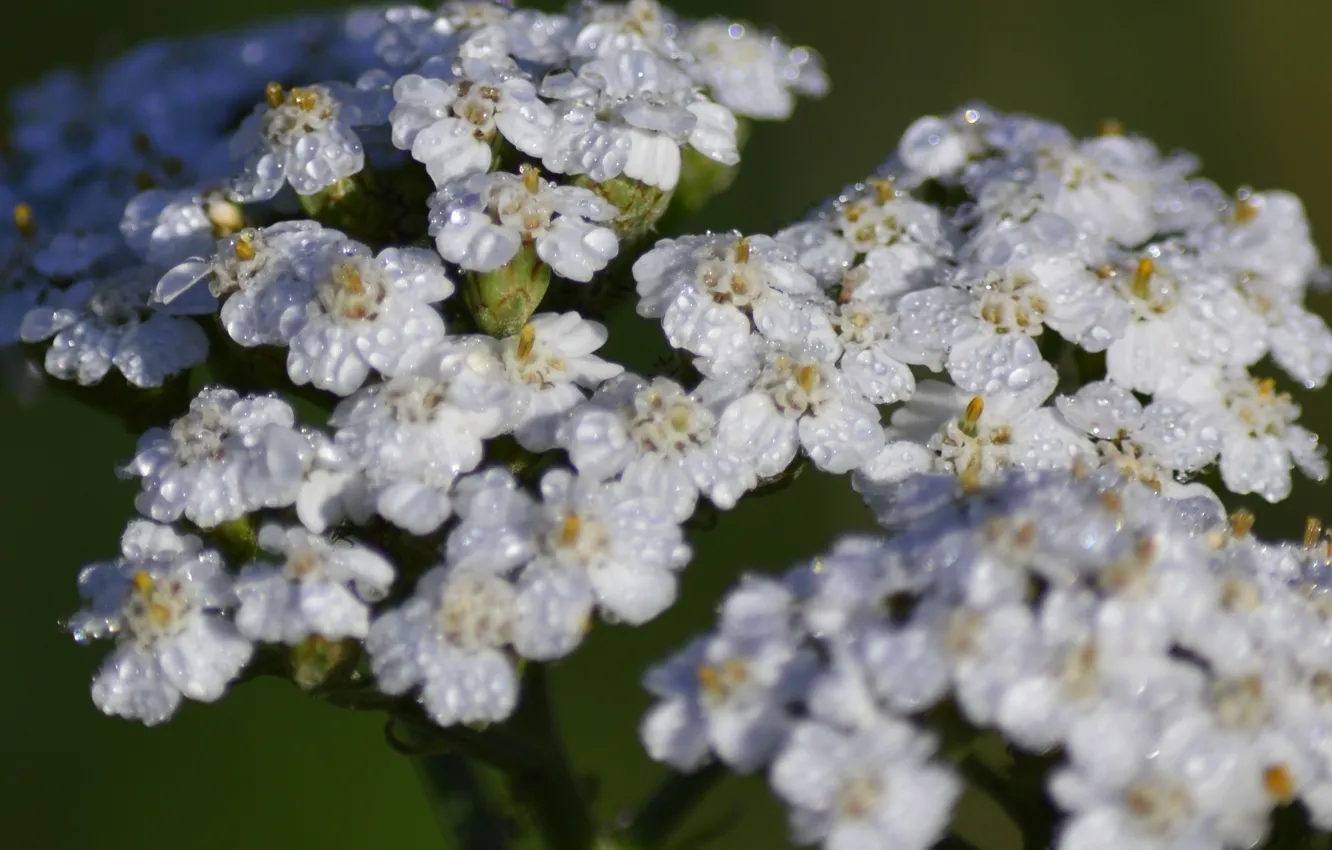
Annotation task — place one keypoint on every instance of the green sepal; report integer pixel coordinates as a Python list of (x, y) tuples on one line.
[(318, 662), (501, 301), (640, 206), (237, 540)]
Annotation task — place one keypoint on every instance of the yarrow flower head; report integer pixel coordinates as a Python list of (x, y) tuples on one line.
[(417, 471)]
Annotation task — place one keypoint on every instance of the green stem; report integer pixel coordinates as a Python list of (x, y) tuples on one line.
[(466, 816), (665, 810), (549, 789)]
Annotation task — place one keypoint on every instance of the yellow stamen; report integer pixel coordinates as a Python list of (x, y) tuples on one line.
[(807, 377), (884, 191), (1280, 783), (1266, 387), (348, 277), (742, 251), (23, 219), (1112, 127), (305, 99), (526, 340), (1242, 522), (143, 582), (531, 178), (274, 94), (1244, 212), (569, 529), (1313, 530), (243, 248), (1142, 276), (975, 408)]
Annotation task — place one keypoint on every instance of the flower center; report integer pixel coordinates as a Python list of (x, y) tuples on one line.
[(352, 291), (476, 611), (667, 421), (1009, 303), (155, 609), (200, 435)]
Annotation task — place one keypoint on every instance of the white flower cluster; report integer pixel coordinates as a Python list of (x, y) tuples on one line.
[(135, 174), (1004, 253), (1026, 349), (1180, 666)]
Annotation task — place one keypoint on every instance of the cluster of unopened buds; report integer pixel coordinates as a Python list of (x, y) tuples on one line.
[(343, 275)]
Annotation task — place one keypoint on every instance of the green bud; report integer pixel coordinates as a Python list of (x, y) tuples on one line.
[(237, 540), (501, 301), (701, 180), (641, 206), (316, 660)]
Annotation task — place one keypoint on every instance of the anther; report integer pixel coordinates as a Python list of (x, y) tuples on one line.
[(531, 178), (1242, 522), (243, 248), (1142, 276), (569, 530), (1313, 530), (274, 94), (143, 582), (742, 250), (526, 340), (1112, 127), (884, 191), (24, 220), (975, 408)]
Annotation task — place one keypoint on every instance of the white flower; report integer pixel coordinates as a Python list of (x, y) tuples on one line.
[(711, 291), (873, 788), (973, 436), (657, 438), (1105, 186), (481, 222), (450, 127), (629, 112), (879, 221), (727, 693), (1155, 445), (544, 364), (300, 136), (625, 540), (415, 433), (1183, 317), (800, 400), (321, 588), (873, 359), (369, 312), (226, 457), (1198, 788), (1260, 440), (448, 639), (162, 602), (109, 323), (1266, 235), (751, 72), (267, 277)]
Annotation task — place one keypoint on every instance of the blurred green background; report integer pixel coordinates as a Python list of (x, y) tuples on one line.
[(1243, 84)]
